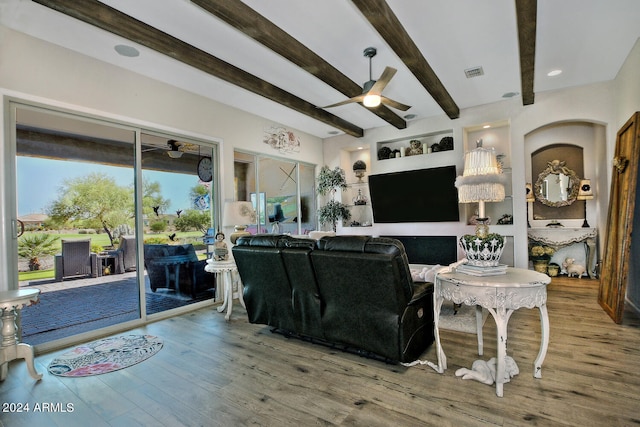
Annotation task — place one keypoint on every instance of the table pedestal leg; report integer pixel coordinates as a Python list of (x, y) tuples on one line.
[(11, 349), (479, 325), (25, 352), (544, 342), (442, 358), (228, 295), (502, 354)]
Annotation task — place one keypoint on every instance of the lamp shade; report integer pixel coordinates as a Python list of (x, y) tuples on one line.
[(585, 192), (238, 213), (481, 180)]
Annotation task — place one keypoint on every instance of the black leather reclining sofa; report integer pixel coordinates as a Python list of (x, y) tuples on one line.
[(354, 292)]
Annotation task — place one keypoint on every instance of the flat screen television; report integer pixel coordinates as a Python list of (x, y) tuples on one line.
[(423, 195)]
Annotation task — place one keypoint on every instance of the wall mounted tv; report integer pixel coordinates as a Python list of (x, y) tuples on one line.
[(423, 195)]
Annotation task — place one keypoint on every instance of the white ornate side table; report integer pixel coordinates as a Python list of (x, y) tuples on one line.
[(562, 237), (10, 303), (224, 271), (501, 295)]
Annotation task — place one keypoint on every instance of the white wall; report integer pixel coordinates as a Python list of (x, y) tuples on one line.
[(36, 71), (592, 103)]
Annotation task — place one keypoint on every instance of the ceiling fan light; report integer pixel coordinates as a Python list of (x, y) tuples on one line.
[(175, 152), (371, 101)]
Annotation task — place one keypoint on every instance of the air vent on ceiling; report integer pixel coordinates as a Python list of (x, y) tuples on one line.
[(474, 72)]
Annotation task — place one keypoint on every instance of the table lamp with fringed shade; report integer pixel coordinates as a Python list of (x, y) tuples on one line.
[(585, 192), (238, 215), (482, 181)]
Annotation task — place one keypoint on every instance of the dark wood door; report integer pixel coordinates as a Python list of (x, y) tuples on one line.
[(615, 262)]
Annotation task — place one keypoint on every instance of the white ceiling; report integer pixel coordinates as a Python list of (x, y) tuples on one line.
[(588, 39)]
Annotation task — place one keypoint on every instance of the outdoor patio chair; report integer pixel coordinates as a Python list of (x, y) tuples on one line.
[(177, 267), (76, 260), (125, 255)]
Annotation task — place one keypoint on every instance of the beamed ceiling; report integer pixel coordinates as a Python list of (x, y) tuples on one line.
[(286, 59)]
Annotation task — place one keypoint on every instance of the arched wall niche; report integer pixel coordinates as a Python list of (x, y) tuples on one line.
[(583, 145), (572, 157)]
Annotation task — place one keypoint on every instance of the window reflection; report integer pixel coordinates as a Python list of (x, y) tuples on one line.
[(281, 191)]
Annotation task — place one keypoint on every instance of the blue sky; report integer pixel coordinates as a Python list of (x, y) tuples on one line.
[(40, 179)]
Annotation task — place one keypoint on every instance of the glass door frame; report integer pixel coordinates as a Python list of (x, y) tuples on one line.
[(9, 206)]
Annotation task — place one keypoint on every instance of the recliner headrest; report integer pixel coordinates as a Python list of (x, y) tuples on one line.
[(343, 243), (363, 244), (264, 240)]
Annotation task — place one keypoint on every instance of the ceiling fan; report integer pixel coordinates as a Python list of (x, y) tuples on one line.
[(372, 90), (175, 152), (178, 148)]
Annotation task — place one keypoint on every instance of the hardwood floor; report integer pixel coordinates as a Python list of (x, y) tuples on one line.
[(232, 374)]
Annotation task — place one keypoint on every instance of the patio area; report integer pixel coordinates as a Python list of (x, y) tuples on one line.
[(71, 307)]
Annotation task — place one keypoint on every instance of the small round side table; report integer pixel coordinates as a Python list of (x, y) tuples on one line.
[(10, 303), (224, 270)]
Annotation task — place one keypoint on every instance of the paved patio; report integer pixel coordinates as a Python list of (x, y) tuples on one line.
[(71, 307)]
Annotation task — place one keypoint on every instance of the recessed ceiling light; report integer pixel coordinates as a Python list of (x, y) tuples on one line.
[(360, 148), (553, 73), (486, 126), (333, 132), (410, 116), (510, 94), (128, 51)]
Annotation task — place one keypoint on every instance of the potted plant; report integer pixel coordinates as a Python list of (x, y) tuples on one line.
[(541, 255), (328, 183)]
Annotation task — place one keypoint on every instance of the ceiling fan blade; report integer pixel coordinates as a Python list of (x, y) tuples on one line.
[(358, 98), (395, 104), (383, 81)]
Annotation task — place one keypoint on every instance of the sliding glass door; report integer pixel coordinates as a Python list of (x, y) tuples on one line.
[(178, 207), (111, 220)]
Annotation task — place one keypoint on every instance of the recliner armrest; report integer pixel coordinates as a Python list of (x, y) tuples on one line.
[(421, 290)]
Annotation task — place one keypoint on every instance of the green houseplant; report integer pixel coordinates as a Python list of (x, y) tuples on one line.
[(328, 183)]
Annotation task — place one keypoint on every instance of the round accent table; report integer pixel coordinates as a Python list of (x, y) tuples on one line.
[(224, 271), (501, 295), (10, 303)]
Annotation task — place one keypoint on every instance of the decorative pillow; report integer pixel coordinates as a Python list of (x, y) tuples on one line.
[(427, 274)]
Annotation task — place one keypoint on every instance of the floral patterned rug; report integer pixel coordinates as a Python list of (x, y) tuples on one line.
[(105, 355)]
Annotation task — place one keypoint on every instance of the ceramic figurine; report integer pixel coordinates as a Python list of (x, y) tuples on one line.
[(415, 148), (220, 251), (573, 269)]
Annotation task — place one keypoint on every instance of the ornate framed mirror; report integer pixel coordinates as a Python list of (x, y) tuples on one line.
[(557, 185)]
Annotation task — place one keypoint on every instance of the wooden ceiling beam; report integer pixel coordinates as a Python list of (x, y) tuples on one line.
[(527, 12), (109, 19), (248, 21), (387, 24)]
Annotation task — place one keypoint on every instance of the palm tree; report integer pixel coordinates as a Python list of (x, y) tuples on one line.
[(34, 246)]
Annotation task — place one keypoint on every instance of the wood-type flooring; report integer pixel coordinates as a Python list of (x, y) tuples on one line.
[(213, 373)]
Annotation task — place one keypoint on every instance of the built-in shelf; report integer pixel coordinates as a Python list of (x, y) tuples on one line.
[(433, 143), (361, 213)]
